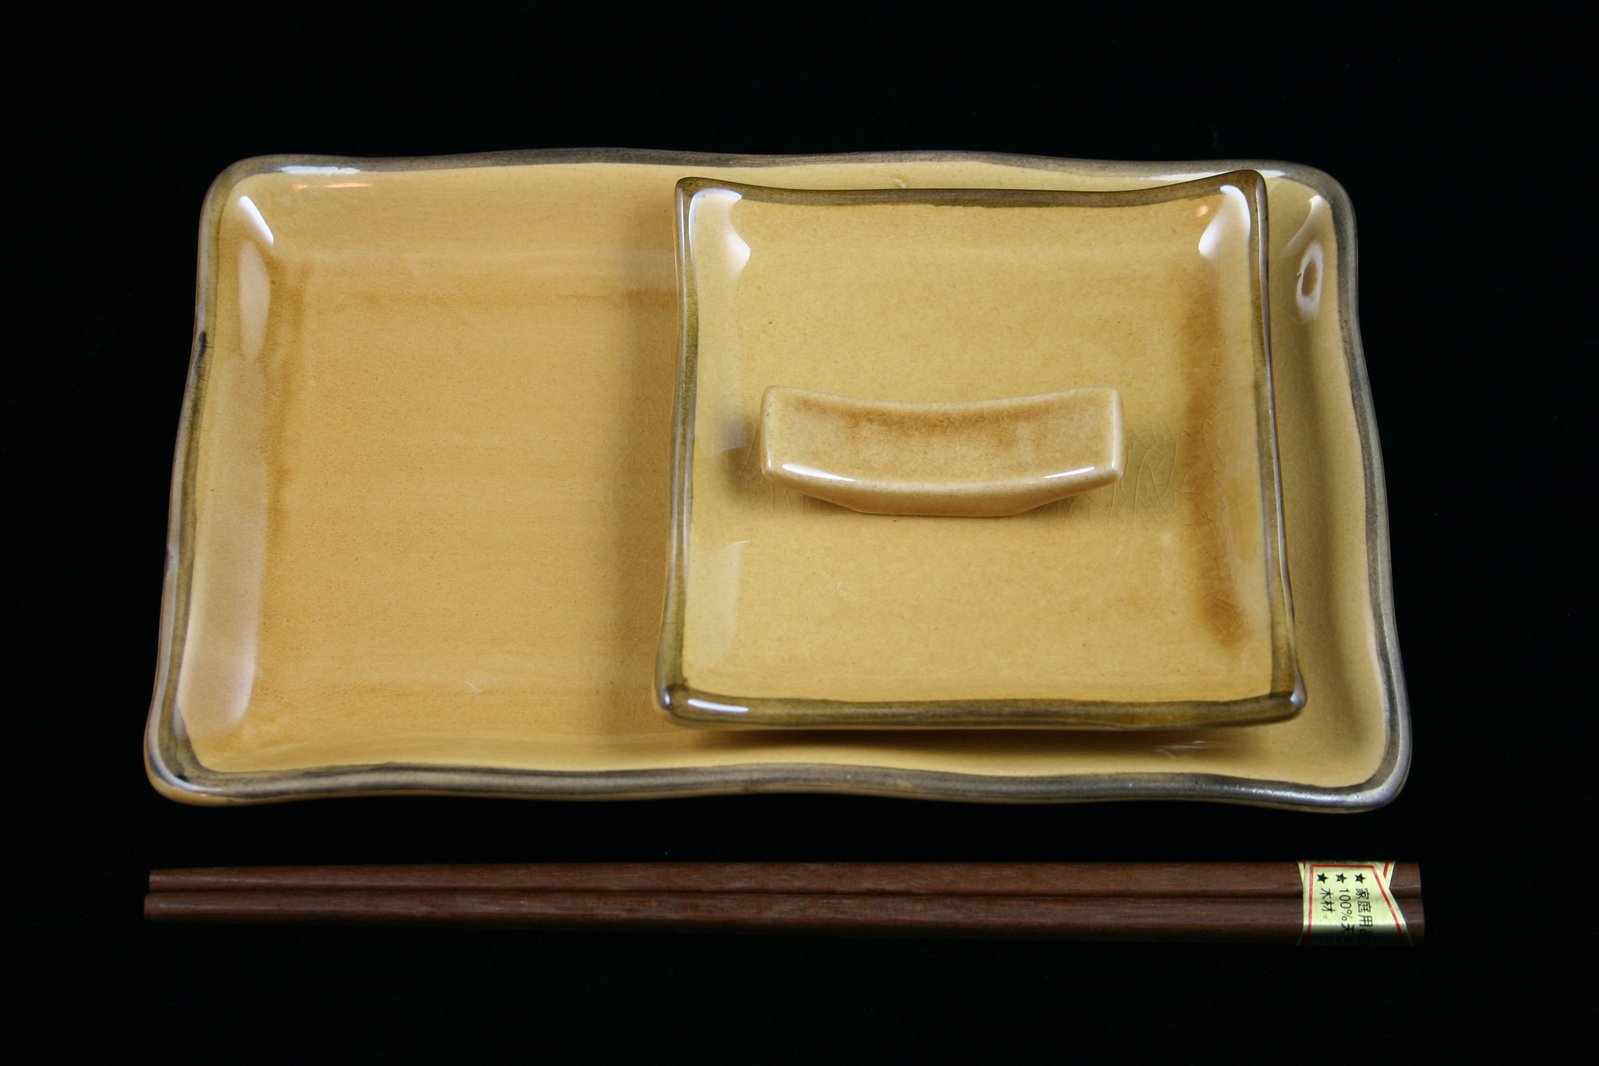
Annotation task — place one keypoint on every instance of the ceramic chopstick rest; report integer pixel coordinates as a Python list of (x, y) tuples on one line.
[(988, 458)]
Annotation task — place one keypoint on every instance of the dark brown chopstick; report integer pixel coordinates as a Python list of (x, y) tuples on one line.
[(1240, 902), (1077, 917), (1179, 879)]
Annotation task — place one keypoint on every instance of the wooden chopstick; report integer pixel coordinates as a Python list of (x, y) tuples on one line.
[(1241, 902), (1073, 917), (1178, 879)]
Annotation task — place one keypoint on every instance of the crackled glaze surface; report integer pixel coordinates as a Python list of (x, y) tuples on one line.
[(1155, 600), (419, 534)]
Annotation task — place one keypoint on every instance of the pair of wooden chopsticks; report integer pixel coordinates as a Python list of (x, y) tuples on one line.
[(1261, 902)]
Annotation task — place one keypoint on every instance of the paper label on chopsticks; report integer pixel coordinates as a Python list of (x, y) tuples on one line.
[(1350, 903)]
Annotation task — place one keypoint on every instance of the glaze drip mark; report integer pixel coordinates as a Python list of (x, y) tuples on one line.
[(1218, 397)]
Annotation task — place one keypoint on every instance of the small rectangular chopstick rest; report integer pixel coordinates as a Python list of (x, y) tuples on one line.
[(988, 458)]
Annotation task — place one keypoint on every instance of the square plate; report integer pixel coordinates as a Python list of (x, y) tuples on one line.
[(419, 527), (1157, 601)]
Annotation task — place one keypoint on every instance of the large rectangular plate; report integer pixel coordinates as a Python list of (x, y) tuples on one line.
[(420, 511)]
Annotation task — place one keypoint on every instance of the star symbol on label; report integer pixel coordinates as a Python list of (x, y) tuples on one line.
[(1360, 877), (1321, 877), (1340, 877)]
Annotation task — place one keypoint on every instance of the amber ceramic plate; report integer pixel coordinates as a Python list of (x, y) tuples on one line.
[(420, 522), (1158, 600)]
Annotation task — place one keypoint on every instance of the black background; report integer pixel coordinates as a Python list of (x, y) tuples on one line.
[(1458, 146)]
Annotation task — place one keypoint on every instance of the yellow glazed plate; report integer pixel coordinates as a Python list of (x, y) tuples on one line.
[(419, 534), (1157, 601)]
